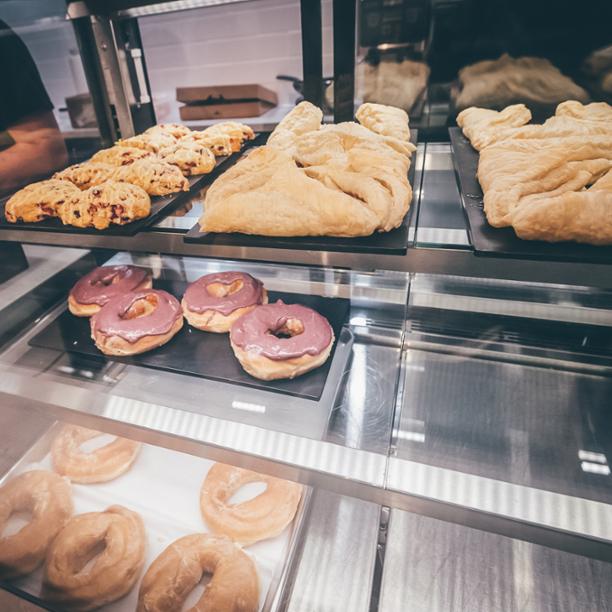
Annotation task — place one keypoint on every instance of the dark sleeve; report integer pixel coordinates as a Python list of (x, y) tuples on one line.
[(22, 92)]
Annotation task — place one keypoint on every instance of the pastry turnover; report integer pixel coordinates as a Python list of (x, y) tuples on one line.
[(106, 204), (549, 182), (120, 155), (385, 120), (39, 201), (267, 193), (314, 180), (155, 176), (87, 174)]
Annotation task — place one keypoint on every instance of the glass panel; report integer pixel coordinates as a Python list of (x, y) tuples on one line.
[(476, 570), (436, 58), (46, 115), (241, 44), (516, 390), (353, 412), (281, 557)]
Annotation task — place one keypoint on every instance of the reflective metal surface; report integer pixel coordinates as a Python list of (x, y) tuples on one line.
[(336, 567), (433, 566)]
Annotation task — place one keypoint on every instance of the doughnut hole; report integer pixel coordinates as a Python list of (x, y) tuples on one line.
[(142, 307), (106, 281), (196, 593), (83, 560), (221, 290), (290, 328), (17, 520), (93, 444), (247, 492)]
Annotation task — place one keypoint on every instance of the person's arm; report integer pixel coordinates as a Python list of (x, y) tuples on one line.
[(39, 149)]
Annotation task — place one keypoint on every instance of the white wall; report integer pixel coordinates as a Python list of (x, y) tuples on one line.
[(248, 42)]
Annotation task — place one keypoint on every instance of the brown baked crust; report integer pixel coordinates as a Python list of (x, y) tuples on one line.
[(117, 346), (87, 174), (121, 156), (215, 321), (155, 176), (39, 200), (110, 203), (270, 369)]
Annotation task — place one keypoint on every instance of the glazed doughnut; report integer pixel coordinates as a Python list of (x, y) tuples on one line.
[(215, 301), (111, 543), (93, 290), (47, 497), (103, 464), (262, 517), (136, 322), (234, 586), (306, 343)]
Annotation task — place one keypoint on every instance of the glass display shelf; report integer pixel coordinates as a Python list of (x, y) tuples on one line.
[(438, 408), (437, 235), (291, 575)]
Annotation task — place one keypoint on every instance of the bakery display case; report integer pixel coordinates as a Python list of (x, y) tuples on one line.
[(447, 446)]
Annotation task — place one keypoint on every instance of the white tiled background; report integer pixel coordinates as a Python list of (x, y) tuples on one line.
[(249, 42)]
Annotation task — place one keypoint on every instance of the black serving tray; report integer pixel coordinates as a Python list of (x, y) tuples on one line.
[(395, 242), (503, 242), (160, 205), (200, 353)]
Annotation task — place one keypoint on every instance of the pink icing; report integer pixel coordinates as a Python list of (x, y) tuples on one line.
[(104, 283), (110, 319), (198, 299), (254, 331)]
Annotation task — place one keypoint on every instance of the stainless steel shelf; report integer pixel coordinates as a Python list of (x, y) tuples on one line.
[(440, 240)]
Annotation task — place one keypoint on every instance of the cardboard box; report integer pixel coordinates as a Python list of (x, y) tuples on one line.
[(225, 101)]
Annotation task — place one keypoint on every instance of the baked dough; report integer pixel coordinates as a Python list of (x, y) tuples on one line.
[(176, 130), (385, 120), (120, 155), (39, 201), (154, 141), (218, 142), (233, 587), (506, 80), (190, 157), (268, 194), (483, 126), (114, 540), (87, 174), (313, 180), (111, 202), (156, 177), (550, 182)]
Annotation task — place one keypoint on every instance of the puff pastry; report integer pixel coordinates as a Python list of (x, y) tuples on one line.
[(39, 201), (156, 177), (87, 174), (549, 182), (304, 118), (106, 204), (120, 156), (190, 157), (385, 120), (313, 180), (266, 193), (483, 126)]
